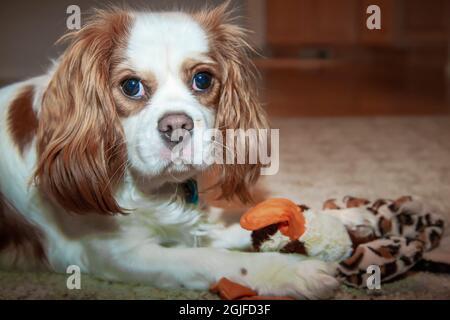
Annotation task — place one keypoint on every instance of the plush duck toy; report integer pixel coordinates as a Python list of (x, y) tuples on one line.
[(281, 225)]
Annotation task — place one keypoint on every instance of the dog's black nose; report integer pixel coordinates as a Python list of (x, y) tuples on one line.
[(175, 121)]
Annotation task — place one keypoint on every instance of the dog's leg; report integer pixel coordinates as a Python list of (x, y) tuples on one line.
[(199, 268)]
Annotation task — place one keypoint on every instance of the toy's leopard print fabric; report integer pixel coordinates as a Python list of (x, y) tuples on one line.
[(395, 240)]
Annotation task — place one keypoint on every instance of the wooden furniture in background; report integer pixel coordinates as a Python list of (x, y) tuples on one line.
[(324, 22), (297, 22), (351, 70)]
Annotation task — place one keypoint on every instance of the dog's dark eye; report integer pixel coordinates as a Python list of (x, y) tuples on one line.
[(133, 88), (201, 81)]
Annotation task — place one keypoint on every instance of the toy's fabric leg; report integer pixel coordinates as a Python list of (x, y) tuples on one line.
[(404, 217), (409, 218), (393, 255), (353, 212), (346, 203), (402, 230), (415, 219)]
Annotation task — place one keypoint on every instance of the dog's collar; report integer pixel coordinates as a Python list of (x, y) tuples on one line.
[(191, 191)]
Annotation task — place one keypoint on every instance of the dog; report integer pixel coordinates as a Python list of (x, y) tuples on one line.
[(86, 174)]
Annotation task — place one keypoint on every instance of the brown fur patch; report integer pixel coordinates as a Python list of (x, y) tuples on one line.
[(22, 120), (237, 106), (81, 149), (19, 234), (125, 105), (211, 96)]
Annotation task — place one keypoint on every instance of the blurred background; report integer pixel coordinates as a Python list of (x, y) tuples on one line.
[(318, 57)]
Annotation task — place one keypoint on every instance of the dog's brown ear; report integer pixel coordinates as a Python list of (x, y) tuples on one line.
[(80, 145), (238, 106)]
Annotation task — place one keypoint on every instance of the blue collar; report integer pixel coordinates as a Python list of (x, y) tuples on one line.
[(191, 191)]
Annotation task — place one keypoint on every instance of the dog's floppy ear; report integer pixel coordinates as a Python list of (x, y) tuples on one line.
[(80, 143), (238, 106)]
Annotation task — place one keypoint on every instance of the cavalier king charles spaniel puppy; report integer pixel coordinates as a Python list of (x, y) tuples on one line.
[(86, 176)]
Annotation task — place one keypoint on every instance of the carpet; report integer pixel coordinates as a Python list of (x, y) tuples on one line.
[(320, 158)]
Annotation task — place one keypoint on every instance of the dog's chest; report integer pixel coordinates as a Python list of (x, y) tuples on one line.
[(166, 219)]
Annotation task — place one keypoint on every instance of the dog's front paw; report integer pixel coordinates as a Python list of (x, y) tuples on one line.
[(296, 277), (232, 237)]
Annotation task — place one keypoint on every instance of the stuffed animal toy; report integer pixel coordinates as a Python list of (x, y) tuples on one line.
[(357, 233), (281, 225)]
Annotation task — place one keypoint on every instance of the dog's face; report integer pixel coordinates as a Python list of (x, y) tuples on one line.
[(167, 80), (130, 89)]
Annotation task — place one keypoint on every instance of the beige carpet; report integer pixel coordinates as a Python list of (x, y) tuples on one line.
[(320, 159)]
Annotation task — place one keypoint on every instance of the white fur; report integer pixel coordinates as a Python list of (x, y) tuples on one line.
[(163, 241), (160, 43)]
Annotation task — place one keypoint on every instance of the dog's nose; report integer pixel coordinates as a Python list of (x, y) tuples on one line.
[(174, 121)]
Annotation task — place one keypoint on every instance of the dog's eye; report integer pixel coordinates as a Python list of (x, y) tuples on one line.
[(133, 88), (201, 81)]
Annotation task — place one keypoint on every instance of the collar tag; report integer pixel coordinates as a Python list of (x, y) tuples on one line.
[(191, 191)]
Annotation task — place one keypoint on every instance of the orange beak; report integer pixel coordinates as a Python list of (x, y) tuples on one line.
[(276, 211)]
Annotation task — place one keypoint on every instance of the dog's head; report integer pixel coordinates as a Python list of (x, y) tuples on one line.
[(128, 82)]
